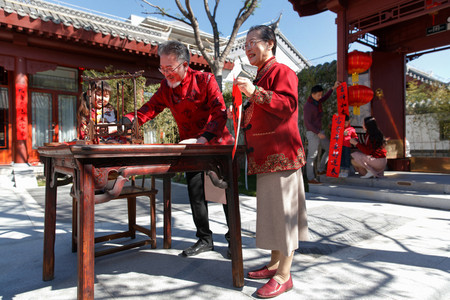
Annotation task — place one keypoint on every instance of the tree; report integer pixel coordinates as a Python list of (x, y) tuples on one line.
[(217, 61)]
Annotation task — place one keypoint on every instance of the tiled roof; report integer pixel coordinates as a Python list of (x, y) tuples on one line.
[(49, 12), (424, 77)]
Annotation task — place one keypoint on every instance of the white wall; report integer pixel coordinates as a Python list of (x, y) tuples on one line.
[(422, 132)]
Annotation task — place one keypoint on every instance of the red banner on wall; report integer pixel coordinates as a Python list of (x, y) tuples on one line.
[(21, 112), (342, 99), (237, 114), (336, 140)]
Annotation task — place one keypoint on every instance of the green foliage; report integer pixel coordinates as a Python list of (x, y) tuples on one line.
[(117, 85), (424, 98), (227, 97), (163, 126), (324, 75), (430, 99)]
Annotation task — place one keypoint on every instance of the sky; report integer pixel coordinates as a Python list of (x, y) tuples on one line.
[(313, 36)]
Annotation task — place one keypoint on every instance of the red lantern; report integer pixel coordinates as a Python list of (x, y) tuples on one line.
[(358, 62), (359, 95)]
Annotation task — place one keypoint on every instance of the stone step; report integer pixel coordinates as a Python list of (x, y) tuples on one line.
[(430, 183), (405, 197)]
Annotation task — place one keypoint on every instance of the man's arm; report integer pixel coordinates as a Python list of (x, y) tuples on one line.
[(330, 91)]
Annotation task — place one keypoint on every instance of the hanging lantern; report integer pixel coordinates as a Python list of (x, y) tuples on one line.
[(359, 95), (358, 62)]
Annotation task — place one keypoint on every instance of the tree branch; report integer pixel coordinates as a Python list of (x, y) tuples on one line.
[(164, 13), (242, 16)]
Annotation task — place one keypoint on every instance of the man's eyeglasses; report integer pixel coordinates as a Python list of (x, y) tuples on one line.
[(251, 44), (169, 70)]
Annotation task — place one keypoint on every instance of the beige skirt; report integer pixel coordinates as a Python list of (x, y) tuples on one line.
[(281, 220)]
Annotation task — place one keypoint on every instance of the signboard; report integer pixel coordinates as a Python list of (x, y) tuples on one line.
[(437, 28)]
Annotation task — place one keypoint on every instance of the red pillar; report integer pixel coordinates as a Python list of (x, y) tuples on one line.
[(342, 45), (388, 107), (21, 112)]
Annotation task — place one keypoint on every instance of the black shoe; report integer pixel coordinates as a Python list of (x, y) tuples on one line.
[(199, 247)]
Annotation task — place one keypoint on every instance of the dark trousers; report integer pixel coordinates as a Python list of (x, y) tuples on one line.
[(199, 206), (345, 158)]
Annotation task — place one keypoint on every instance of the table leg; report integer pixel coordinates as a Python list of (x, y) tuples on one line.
[(232, 193), (167, 211), (86, 245), (48, 268)]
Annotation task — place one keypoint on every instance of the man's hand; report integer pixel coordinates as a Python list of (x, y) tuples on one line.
[(336, 84), (353, 141), (321, 135)]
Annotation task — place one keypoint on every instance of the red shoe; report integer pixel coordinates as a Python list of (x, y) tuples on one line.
[(272, 288), (262, 273)]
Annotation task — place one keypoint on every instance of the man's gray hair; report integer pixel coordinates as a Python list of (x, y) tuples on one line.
[(176, 48)]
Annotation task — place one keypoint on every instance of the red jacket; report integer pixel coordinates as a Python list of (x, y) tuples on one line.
[(368, 148), (351, 134), (197, 106), (271, 121)]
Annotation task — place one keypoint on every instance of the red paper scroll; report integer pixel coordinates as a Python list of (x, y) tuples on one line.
[(237, 114), (342, 99), (336, 140), (21, 111)]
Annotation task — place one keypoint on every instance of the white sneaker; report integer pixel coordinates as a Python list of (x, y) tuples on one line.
[(368, 175)]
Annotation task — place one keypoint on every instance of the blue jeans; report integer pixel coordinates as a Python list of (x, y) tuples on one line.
[(345, 158)]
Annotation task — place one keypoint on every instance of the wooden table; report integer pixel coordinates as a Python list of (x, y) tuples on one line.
[(90, 166)]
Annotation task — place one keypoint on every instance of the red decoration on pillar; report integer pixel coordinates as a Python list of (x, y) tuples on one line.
[(342, 99), (336, 140), (21, 111)]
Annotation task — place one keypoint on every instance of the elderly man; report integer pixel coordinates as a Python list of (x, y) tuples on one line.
[(197, 105)]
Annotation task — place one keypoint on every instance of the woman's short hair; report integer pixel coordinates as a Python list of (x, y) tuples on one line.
[(266, 34), (175, 48)]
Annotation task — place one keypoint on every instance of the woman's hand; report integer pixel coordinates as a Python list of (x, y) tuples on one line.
[(245, 86), (353, 142)]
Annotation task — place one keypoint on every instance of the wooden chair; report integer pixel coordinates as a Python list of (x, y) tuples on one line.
[(130, 193)]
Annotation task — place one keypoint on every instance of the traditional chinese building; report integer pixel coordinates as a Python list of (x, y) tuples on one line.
[(396, 31), (45, 47)]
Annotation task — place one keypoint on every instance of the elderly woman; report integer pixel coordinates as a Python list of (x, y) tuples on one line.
[(275, 153)]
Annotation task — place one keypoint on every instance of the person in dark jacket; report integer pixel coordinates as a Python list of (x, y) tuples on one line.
[(312, 116)]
